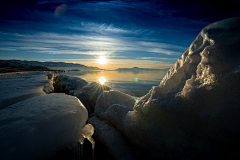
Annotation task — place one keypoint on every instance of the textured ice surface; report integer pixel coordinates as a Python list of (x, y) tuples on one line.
[(36, 127), (117, 145), (22, 85), (65, 83), (92, 91), (113, 106), (87, 93), (194, 112)]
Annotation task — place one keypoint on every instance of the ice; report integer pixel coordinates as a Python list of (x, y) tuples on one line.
[(87, 133), (50, 76), (92, 91), (37, 127), (116, 144), (113, 106), (194, 112), (65, 83), (23, 85), (76, 86)]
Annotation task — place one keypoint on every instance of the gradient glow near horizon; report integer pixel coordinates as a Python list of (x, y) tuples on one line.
[(145, 33)]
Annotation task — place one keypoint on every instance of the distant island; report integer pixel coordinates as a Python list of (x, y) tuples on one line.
[(140, 69)]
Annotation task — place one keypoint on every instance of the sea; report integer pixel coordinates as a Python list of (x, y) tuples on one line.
[(135, 83)]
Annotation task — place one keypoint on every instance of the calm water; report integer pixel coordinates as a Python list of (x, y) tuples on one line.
[(133, 83)]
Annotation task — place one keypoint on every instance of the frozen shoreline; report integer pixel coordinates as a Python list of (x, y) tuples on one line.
[(18, 86), (34, 122), (192, 114)]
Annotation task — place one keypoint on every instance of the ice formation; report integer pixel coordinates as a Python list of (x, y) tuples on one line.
[(37, 127), (92, 91), (29, 84), (65, 83), (50, 76), (87, 93), (194, 112), (87, 133)]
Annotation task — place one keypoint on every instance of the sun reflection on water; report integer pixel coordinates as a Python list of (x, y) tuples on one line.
[(102, 80)]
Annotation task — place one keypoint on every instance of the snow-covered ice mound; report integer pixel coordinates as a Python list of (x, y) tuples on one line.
[(111, 108), (65, 83), (194, 113), (37, 127), (76, 86), (92, 91)]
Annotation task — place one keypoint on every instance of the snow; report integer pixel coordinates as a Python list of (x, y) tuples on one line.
[(194, 112), (37, 127)]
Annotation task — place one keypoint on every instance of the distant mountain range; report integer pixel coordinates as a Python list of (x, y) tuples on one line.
[(32, 64), (62, 65), (140, 69)]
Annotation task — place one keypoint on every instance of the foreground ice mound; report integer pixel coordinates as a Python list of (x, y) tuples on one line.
[(194, 113), (37, 127)]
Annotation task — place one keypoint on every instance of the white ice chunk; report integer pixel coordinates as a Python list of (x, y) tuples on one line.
[(37, 127)]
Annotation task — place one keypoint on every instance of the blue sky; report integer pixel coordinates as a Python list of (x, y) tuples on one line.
[(144, 31)]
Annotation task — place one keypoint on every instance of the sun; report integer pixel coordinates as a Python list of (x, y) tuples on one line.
[(102, 80), (102, 60)]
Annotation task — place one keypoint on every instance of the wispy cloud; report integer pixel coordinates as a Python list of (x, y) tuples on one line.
[(7, 49), (118, 29), (54, 43)]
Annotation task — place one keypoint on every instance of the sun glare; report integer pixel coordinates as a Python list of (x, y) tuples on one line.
[(102, 60), (102, 80)]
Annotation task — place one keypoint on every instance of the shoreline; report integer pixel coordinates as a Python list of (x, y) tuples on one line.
[(22, 90), (11, 69)]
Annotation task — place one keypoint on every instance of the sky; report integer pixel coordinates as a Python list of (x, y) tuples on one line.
[(129, 33)]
